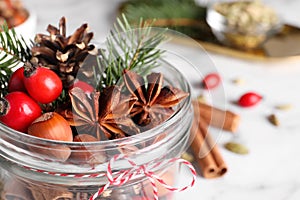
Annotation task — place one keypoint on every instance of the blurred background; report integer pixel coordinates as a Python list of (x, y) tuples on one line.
[(272, 168), (101, 14)]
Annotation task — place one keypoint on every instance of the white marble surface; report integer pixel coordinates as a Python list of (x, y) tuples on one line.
[(272, 169)]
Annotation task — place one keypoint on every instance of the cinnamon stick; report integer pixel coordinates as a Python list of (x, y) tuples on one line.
[(216, 117), (206, 152)]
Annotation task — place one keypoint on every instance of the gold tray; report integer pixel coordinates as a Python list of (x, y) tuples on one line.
[(283, 45)]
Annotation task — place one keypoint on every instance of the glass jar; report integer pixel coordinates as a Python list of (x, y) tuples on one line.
[(32, 169)]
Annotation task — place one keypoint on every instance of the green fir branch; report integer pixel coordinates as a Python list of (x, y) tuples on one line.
[(130, 48), (184, 16), (13, 51), (167, 9)]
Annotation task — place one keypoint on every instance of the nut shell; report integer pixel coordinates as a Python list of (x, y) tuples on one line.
[(91, 154)]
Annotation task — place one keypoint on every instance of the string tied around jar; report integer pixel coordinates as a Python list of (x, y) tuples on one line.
[(122, 177), (119, 178)]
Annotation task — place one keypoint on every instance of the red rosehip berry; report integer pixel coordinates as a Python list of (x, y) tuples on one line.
[(42, 84), (249, 99), (211, 81), (16, 81), (87, 88), (18, 111)]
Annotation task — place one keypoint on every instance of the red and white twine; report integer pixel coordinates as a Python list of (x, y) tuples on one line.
[(122, 177), (127, 175)]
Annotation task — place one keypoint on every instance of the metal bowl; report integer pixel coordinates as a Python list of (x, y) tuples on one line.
[(28, 27), (246, 38)]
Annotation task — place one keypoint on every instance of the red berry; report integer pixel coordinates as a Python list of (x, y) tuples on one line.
[(16, 81), (249, 99), (18, 111), (42, 84), (87, 88), (211, 80)]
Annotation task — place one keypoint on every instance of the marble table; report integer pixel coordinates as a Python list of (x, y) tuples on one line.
[(272, 169)]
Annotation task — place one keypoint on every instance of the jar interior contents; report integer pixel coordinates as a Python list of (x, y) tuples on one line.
[(71, 109), (11, 187)]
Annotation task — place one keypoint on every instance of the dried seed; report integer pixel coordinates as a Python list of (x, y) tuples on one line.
[(239, 81), (284, 107), (274, 120), (236, 148), (187, 156), (201, 98)]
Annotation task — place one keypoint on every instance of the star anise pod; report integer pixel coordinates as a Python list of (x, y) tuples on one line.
[(114, 113), (103, 116), (155, 103), (84, 113)]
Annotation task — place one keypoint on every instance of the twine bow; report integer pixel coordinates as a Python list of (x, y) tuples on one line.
[(122, 177)]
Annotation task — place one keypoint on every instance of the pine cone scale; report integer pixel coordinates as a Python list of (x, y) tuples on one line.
[(39, 37), (45, 53), (62, 57), (62, 26), (52, 30), (78, 34), (88, 38)]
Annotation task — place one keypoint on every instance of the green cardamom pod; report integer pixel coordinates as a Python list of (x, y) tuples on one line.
[(284, 107), (236, 148)]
